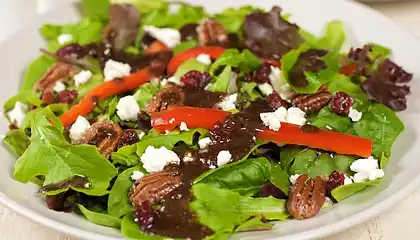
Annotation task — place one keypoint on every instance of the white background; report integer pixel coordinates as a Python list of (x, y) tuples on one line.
[(401, 222)]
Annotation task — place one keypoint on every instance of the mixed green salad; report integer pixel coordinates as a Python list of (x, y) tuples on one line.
[(166, 121)]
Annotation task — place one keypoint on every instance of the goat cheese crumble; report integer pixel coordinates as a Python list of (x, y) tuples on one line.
[(78, 128), (183, 127), (223, 157), (204, 59), (228, 104), (292, 115), (168, 36), (293, 178), (127, 108), (114, 69), (137, 175), (279, 83), (155, 159), (266, 88), (17, 114), (366, 169), (347, 180), (172, 79), (355, 115), (204, 142), (82, 77), (64, 38), (59, 87)]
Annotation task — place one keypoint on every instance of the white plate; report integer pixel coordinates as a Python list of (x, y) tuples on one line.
[(363, 25)]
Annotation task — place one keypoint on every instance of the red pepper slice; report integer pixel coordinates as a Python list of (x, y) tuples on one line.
[(348, 69), (213, 51), (288, 134)]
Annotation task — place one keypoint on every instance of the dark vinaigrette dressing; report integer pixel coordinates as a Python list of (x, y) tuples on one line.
[(236, 134)]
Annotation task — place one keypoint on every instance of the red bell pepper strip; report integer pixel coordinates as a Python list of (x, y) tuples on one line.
[(288, 134), (348, 69), (103, 91), (156, 46), (213, 51)]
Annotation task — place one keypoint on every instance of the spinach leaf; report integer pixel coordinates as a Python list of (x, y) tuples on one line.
[(185, 45), (309, 162), (145, 93), (190, 65), (345, 191), (125, 156), (131, 230), (118, 201), (17, 141), (382, 126), (342, 83), (333, 38), (288, 154), (50, 155), (233, 18), (326, 119), (245, 61), (245, 178), (100, 218), (95, 9), (280, 178), (223, 210), (34, 72), (343, 162), (221, 84)]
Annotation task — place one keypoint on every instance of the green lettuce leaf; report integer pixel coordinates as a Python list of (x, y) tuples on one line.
[(223, 210), (96, 9), (144, 6), (345, 191), (245, 178), (145, 93), (118, 201), (34, 72), (93, 82), (126, 156), (17, 141), (379, 51), (131, 230), (342, 83), (288, 154), (100, 218), (249, 91), (326, 119), (221, 83), (333, 38), (190, 65), (254, 224), (246, 61), (25, 96), (233, 18), (50, 155), (185, 46), (309, 162), (280, 178)]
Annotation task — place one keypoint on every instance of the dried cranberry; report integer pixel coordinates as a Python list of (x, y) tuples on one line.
[(262, 75), (73, 50), (341, 103), (195, 79), (67, 96), (129, 137), (335, 180), (275, 101), (145, 215)]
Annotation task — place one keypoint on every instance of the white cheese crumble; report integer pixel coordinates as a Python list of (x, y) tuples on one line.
[(183, 127), (127, 108), (328, 202), (228, 103), (155, 159), (78, 128), (64, 38), (292, 115), (172, 120), (366, 169), (204, 142), (355, 115), (141, 135), (59, 87), (137, 175), (188, 157), (114, 69), (172, 79), (279, 84), (204, 59), (82, 77), (266, 88), (17, 114), (293, 178), (168, 36), (347, 180), (223, 157)]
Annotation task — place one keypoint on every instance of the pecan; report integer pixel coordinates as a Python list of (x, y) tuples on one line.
[(311, 103), (306, 197), (105, 135), (154, 187), (211, 32), (171, 95)]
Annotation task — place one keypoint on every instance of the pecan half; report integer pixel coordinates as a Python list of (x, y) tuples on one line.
[(311, 103), (306, 197), (171, 95), (105, 135), (211, 32), (154, 187)]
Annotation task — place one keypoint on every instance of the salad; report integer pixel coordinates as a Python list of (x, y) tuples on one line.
[(165, 121)]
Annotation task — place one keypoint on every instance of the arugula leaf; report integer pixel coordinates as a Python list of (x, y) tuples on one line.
[(254, 224), (382, 126), (221, 84), (249, 91), (185, 46), (131, 230), (333, 38), (223, 210), (245, 178), (345, 191), (17, 141), (50, 155), (34, 72), (110, 108), (96, 9), (100, 218), (118, 201), (245, 61), (233, 18), (190, 65), (280, 178), (145, 93)]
